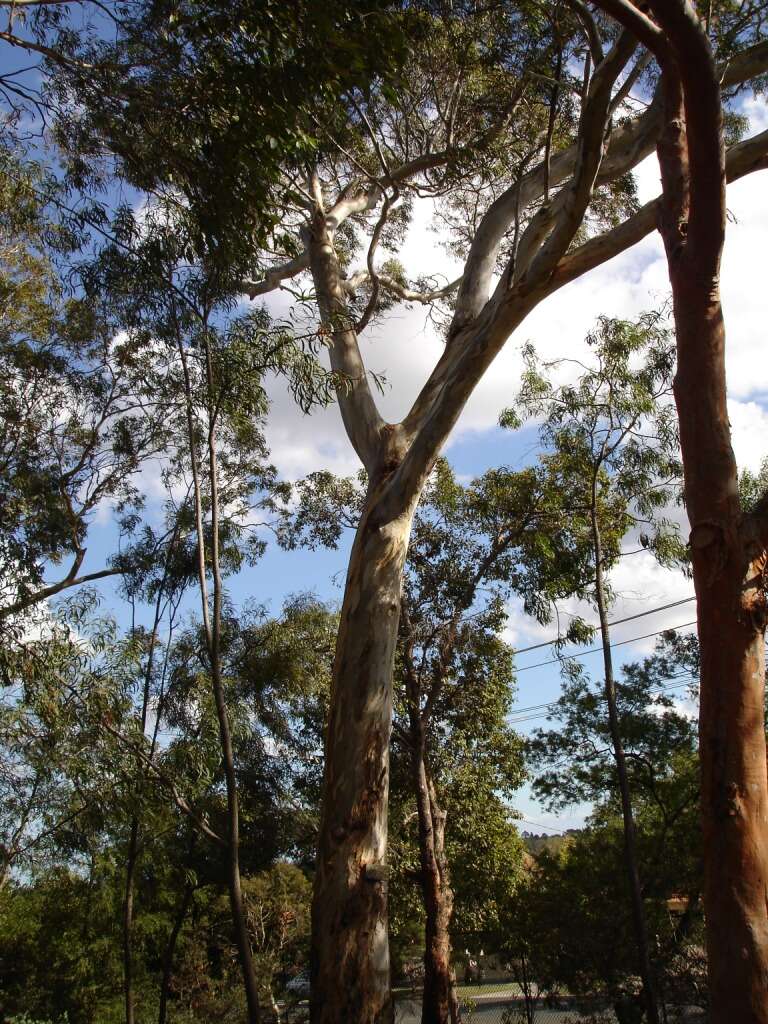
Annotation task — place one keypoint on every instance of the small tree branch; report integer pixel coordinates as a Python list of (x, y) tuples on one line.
[(351, 284), (273, 278), (70, 580)]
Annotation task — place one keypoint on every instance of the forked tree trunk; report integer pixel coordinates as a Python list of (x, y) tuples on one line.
[(439, 1003), (350, 949)]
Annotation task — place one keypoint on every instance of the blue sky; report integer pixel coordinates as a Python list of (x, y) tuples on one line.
[(404, 348)]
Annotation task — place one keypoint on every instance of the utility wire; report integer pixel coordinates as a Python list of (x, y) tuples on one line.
[(596, 650), (514, 717), (551, 703), (543, 714), (616, 622), (538, 824)]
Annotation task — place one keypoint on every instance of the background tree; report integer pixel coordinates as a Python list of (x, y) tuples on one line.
[(471, 549), (728, 544), (80, 415), (575, 924), (527, 235), (613, 432)]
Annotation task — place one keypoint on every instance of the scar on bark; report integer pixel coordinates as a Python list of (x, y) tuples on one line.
[(709, 533)]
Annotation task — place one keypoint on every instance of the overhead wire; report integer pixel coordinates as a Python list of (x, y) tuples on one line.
[(542, 713), (597, 650), (615, 622)]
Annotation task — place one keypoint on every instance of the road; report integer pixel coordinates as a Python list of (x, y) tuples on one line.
[(492, 1012)]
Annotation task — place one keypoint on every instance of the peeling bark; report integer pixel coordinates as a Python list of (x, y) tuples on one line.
[(731, 614), (350, 947)]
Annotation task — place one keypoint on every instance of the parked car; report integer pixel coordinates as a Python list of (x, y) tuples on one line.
[(298, 987)]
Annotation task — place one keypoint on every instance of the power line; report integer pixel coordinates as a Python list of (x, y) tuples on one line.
[(530, 718), (616, 622), (596, 650), (538, 824)]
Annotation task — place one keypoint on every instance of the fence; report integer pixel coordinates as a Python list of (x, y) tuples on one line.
[(504, 1004)]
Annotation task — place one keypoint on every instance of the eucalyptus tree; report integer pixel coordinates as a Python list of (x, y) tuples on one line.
[(729, 543), (79, 415), (468, 120), (472, 547), (613, 434), (478, 121)]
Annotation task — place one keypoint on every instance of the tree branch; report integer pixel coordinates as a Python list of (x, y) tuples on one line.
[(362, 420), (273, 278), (629, 144), (351, 284), (742, 159), (70, 580)]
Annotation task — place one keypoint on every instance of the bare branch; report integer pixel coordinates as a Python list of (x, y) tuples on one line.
[(742, 159), (629, 144), (351, 284), (362, 420), (70, 580), (590, 30), (273, 278), (592, 133)]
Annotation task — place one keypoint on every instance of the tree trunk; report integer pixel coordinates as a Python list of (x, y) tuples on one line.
[(728, 547), (239, 921), (630, 835), (130, 873), (170, 951), (439, 1003), (212, 630), (729, 576), (350, 950)]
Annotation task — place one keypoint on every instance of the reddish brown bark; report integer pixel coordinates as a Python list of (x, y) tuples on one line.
[(728, 547)]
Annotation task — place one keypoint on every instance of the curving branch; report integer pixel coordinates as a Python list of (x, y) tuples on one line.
[(397, 288), (628, 146), (741, 159), (70, 580), (274, 277)]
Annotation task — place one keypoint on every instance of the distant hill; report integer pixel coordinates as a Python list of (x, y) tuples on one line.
[(535, 844)]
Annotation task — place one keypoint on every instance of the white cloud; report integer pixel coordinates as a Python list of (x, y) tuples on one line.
[(405, 346), (749, 431)]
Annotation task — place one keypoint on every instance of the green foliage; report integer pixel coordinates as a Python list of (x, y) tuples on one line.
[(613, 433), (572, 917), (753, 487), (209, 101), (77, 419), (277, 904), (573, 763)]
